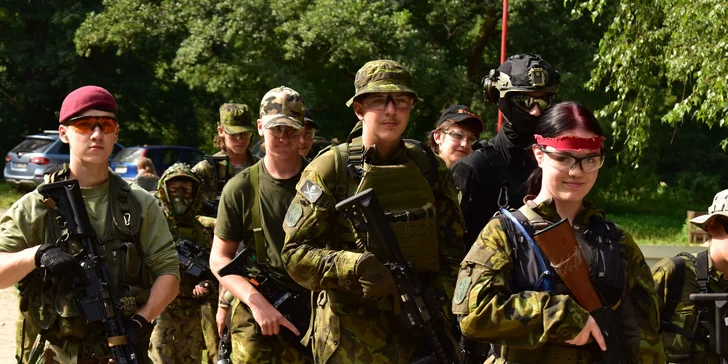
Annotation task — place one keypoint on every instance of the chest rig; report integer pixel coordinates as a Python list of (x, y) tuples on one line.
[(404, 189), (600, 243), (49, 305)]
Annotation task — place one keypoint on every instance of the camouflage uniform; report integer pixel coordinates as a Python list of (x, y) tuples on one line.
[(322, 249), (259, 228), (533, 326), (677, 346), (176, 337), (234, 119)]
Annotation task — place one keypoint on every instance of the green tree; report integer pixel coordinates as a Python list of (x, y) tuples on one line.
[(662, 60)]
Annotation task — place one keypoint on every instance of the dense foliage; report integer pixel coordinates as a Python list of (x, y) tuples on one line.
[(171, 63)]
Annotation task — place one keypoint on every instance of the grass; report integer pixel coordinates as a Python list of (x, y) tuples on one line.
[(8, 195), (653, 229)]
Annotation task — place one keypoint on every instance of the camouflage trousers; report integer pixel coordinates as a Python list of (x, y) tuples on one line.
[(177, 337), (252, 347), (209, 329), (354, 334), (24, 338)]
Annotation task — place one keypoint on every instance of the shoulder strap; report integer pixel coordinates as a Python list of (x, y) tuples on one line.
[(701, 270), (256, 212), (497, 165), (545, 279), (675, 287), (429, 168), (126, 211)]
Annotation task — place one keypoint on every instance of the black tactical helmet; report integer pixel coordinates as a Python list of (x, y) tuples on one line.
[(526, 72)]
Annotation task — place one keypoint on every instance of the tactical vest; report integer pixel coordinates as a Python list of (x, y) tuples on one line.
[(606, 264), (50, 306), (405, 192)]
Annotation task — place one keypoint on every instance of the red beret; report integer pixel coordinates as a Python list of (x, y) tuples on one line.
[(86, 98)]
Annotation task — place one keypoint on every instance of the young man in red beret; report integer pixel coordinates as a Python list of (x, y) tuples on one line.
[(134, 243)]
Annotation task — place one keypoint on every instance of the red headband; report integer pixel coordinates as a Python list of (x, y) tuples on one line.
[(571, 142)]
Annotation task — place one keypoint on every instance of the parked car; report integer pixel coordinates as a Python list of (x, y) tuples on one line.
[(162, 156), (26, 164)]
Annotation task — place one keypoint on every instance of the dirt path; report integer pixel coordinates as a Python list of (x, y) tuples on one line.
[(8, 317)]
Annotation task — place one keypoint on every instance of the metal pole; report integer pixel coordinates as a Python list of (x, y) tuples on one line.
[(504, 37)]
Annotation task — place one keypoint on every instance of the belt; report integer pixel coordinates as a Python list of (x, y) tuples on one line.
[(552, 354)]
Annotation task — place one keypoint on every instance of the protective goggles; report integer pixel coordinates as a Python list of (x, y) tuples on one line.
[(528, 102), (87, 124), (566, 162), (241, 136), (281, 131)]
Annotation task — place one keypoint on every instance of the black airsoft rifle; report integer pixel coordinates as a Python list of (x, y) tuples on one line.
[(422, 307), (294, 306), (194, 259), (94, 298), (225, 347), (718, 328), (209, 208)]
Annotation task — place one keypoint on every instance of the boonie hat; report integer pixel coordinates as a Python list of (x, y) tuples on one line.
[(526, 72), (235, 118), (382, 76), (461, 114), (282, 106), (718, 208)]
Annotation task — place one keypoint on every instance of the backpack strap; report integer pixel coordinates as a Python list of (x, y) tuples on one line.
[(545, 281), (256, 212), (701, 272), (497, 167), (429, 168), (675, 288)]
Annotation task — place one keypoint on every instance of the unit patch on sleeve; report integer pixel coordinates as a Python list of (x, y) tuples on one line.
[(295, 211), (311, 191)]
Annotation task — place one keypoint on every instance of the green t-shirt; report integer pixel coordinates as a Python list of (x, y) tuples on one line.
[(24, 226), (235, 221)]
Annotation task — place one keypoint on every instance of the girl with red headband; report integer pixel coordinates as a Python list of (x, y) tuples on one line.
[(509, 294)]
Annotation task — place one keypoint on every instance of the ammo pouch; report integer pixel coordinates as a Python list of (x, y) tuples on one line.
[(52, 307)]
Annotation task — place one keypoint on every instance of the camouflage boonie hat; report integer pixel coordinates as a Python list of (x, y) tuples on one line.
[(282, 106), (382, 76), (235, 118), (718, 208)]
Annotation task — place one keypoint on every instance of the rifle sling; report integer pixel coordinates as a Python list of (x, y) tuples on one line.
[(256, 211)]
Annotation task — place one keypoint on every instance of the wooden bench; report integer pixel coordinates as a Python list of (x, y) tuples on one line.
[(696, 235)]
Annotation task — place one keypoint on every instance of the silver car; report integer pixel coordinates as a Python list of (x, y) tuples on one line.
[(26, 164)]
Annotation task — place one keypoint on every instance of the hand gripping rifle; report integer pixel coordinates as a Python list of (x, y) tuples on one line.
[(717, 329), (422, 307), (560, 246), (94, 297)]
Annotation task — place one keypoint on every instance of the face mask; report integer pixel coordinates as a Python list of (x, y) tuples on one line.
[(180, 199), (523, 123)]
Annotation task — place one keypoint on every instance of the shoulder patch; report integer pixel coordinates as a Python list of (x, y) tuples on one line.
[(461, 289), (311, 191), (295, 211)]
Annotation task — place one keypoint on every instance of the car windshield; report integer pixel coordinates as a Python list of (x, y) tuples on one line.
[(129, 155), (32, 145)]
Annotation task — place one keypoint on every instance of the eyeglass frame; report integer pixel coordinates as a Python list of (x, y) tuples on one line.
[(241, 135), (457, 140), (70, 122), (291, 133), (577, 160), (387, 100)]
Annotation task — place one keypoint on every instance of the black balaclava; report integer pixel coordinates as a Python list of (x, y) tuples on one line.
[(519, 126)]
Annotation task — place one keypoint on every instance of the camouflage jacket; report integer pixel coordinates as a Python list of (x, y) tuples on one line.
[(534, 323), (316, 260), (206, 173), (677, 346)]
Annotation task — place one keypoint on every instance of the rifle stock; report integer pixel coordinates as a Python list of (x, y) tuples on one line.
[(560, 246), (94, 297)]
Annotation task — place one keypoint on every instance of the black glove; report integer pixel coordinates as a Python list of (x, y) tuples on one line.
[(374, 277), (138, 330), (58, 262)]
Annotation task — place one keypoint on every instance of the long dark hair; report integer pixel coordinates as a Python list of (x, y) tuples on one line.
[(560, 118)]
